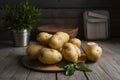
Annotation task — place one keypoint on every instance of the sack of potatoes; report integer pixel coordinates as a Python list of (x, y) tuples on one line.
[(53, 48)]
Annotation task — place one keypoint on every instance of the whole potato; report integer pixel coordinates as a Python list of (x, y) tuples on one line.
[(43, 38), (58, 39), (65, 36), (49, 56), (76, 42), (71, 52), (93, 51), (32, 51)]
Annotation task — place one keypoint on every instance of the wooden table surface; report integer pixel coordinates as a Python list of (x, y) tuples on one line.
[(106, 68)]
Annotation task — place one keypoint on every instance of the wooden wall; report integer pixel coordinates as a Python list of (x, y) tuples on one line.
[(68, 12)]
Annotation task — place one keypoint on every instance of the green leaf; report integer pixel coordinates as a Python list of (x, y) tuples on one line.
[(70, 70), (72, 67), (82, 67), (63, 63)]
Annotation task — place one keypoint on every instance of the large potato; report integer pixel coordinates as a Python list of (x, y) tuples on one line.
[(32, 51), (49, 56), (43, 38), (71, 52), (58, 39), (76, 42)]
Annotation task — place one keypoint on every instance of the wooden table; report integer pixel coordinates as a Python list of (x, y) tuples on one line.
[(107, 68)]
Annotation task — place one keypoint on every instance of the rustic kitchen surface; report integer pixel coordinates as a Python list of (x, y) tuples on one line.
[(106, 68)]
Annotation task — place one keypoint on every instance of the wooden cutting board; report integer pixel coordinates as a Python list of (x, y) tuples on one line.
[(36, 65)]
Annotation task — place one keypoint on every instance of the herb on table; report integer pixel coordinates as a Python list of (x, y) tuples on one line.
[(72, 67)]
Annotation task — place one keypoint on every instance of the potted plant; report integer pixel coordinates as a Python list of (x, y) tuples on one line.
[(21, 19)]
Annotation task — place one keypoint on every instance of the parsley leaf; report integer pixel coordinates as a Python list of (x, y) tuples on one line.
[(83, 67), (72, 67), (70, 70)]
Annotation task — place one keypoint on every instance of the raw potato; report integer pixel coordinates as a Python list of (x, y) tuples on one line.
[(64, 36), (43, 38), (76, 42), (71, 52), (93, 51), (49, 56), (32, 51), (58, 39)]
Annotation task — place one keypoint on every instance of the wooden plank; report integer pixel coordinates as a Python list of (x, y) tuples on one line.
[(21, 73), (8, 66), (111, 61), (56, 13), (6, 45), (78, 75), (34, 75), (112, 49), (5, 62), (97, 15), (66, 3), (4, 53), (62, 21), (108, 61), (62, 13)]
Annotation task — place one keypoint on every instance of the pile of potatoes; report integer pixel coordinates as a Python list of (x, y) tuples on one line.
[(52, 48)]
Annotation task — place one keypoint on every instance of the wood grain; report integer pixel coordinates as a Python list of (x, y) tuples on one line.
[(105, 65), (66, 3)]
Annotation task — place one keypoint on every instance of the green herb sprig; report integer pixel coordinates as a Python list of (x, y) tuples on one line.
[(72, 67), (23, 16)]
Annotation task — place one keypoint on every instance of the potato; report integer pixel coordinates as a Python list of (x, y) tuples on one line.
[(78, 51), (64, 36), (49, 56), (71, 52), (93, 51), (58, 39), (76, 42), (32, 51), (43, 38)]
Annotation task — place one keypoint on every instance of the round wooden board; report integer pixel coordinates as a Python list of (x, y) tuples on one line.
[(36, 65)]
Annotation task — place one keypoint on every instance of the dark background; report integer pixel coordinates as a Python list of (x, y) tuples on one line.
[(67, 12)]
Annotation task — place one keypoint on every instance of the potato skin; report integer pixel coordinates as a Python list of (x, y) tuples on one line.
[(58, 39), (49, 56), (32, 51), (65, 36), (71, 52), (43, 38), (76, 42), (78, 51)]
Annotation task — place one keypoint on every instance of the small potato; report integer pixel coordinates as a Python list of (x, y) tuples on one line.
[(49, 56), (43, 38), (71, 52), (65, 37), (32, 51), (76, 42), (58, 39), (93, 51)]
